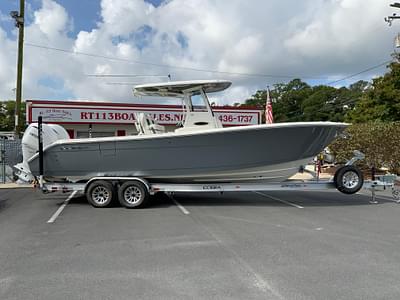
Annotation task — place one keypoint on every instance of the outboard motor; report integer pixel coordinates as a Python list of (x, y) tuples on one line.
[(30, 146)]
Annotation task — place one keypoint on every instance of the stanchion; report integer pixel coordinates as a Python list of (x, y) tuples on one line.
[(373, 196)]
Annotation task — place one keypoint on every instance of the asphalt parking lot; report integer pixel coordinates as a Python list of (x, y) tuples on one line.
[(275, 245)]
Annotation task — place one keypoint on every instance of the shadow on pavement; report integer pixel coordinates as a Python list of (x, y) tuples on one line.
[(157, 201), (309, 199)]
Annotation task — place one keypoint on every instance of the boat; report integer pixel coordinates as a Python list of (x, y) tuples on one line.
[(200, 151)]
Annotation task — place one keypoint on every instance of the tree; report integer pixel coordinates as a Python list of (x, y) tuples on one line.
[(297, 101), (320, 104), (7, 115), (379, 141), (381, 102), (287, 99)]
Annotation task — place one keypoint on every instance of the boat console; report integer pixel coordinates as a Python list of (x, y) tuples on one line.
[(145, 124), (198, 114)]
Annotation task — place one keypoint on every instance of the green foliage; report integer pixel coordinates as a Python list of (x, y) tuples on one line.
[(379, 141), (289, 99), (382, 101), (7, 115), (297, 101), (319, 104)]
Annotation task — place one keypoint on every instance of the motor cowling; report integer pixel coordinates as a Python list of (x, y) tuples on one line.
[(30, 145)]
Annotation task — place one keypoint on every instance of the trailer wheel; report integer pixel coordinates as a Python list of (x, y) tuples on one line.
[(396, 193), (348, 179), (100, 193), (133, 194)]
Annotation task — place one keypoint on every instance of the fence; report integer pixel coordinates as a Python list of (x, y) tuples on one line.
[(10, 155)]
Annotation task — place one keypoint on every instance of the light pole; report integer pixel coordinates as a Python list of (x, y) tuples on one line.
[(19, 22), (390, 19)]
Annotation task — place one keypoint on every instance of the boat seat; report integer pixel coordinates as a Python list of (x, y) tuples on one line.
[(146, 124)]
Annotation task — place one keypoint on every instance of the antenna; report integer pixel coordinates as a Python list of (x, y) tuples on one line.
[(389, 19)]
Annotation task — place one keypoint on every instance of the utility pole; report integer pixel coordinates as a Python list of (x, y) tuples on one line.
[(19, 22)]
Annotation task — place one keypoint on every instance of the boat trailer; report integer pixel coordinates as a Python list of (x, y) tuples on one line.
[(133, 192)]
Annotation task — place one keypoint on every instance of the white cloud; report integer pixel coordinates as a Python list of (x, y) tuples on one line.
[(344, 36), (51, 19), (235, 94), (318, 38), (124, 17)]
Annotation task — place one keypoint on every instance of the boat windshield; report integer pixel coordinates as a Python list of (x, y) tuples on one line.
[(198, 103)]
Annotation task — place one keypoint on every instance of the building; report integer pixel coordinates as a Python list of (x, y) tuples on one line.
[(98, 119)]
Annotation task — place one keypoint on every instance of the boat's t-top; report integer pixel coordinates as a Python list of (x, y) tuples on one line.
[(198, 112)]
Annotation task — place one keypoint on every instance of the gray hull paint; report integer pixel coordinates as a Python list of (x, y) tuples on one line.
[(257, 153)]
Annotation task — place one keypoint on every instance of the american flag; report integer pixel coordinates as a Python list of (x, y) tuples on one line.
[(269, 117)]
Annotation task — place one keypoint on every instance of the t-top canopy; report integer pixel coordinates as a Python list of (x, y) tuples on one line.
[(178, 88)]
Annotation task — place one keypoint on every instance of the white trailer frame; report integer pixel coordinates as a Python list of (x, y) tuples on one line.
[(382, 182)]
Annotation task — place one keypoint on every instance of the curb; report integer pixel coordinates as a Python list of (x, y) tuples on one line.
[(13, 185)]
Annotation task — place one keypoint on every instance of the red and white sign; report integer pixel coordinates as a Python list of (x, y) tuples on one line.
[(98, 113)]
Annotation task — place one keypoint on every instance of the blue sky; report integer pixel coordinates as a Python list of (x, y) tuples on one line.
[(85, 13)]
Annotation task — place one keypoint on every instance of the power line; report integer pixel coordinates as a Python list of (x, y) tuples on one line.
[(124, 75), (170, 66), (361, 72), (199, 69)]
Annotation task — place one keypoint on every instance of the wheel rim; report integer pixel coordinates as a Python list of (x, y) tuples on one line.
[(132, 195), (100, 194), (350, 179), (396, 194)]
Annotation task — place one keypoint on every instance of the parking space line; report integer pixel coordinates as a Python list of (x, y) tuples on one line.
[(280, 200), (61, 208), (180, 206)]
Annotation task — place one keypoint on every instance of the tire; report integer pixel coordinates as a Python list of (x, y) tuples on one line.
[(348, 179), (133, 194), (100, 193), (396, 193)]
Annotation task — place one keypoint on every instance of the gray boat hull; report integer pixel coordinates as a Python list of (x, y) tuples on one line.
[(262, 152)]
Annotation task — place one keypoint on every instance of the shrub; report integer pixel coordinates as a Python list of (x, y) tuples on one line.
[(379, 141)]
